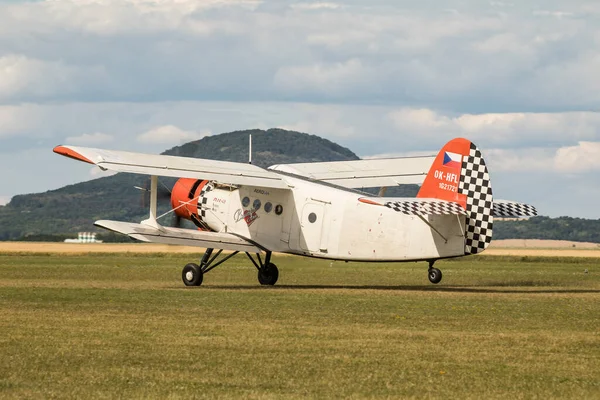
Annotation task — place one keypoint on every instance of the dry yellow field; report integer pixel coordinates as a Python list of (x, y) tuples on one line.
[(500, 247), (83, 248)]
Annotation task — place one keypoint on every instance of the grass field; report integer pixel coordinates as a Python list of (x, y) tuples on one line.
[(123, 325)]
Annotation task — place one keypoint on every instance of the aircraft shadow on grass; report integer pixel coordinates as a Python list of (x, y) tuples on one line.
[(526, 289)]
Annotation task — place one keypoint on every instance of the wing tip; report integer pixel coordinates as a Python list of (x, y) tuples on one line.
[(67, 152)]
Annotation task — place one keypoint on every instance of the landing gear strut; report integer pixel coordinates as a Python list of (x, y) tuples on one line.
[(267, 271), (434, 274), (193, 274)]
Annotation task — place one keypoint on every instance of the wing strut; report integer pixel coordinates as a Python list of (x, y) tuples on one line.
[(151, 221)]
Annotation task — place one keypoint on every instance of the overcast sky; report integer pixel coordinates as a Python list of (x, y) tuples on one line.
[(521, 79)]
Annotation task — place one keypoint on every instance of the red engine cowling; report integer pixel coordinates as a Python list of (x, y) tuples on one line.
[(184, 198)]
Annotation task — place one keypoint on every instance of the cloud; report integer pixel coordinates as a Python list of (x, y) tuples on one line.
[(4, 200), (555, 14), (585, 156), (23, 77), (566, 160), (316, 6), (322, 120), (13, 120), (480, 58), (506, 42), (170, 134), (520, 160), (507, 129), (334, 78), (90, 139)]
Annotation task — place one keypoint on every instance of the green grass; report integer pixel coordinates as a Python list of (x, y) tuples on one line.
[(107, 326)]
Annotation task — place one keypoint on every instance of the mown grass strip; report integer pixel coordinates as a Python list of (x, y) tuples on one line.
[(124, 326)]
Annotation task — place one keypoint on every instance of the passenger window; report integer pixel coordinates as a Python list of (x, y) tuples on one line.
[(268, 207)]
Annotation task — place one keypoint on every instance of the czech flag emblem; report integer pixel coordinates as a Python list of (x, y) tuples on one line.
[(452, 160)]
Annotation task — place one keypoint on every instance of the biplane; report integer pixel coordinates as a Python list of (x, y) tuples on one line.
[(316, 209)]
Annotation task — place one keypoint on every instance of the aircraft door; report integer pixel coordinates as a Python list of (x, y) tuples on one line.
[(314, 236)]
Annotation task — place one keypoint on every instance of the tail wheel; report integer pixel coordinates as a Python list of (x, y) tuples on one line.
[(435, 275), (192, 275), (268, 274)]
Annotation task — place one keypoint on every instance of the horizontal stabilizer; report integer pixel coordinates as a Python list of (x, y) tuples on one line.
[(412, 206), (179, 236), (512, 209)]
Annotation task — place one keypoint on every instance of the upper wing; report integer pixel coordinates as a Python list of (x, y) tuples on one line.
[(179, 167), (364, 173)]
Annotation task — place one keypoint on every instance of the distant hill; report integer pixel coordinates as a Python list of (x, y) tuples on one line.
[(270, 147), (74, 208), (562, 228)]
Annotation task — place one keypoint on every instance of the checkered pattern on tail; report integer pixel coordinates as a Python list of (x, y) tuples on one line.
[(426, 207), (203, 199), (475, 184), (512, 209)]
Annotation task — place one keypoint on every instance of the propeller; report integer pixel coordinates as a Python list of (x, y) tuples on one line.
[(162, 193), (176, 221)]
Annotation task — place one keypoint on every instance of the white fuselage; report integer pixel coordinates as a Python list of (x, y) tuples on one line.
[(318, 220)]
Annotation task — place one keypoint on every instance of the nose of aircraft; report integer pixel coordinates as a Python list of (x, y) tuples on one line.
[(184, 196)]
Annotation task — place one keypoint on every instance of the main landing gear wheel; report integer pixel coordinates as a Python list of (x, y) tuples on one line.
[(192, 275), (435, 275), (268, 274)]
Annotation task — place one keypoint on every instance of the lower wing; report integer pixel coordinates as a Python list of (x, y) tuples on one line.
[(179, 236)]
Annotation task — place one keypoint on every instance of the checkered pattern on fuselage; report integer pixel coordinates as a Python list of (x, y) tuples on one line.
[(203, 200), (475, 184)]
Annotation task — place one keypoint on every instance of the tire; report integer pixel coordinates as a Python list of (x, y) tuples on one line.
[(192, 275), (268, 275), (435, 275)]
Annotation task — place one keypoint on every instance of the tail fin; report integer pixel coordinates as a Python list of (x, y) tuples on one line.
[(459, 174)]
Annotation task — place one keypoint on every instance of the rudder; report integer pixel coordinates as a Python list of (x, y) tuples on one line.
[(459, 174)]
